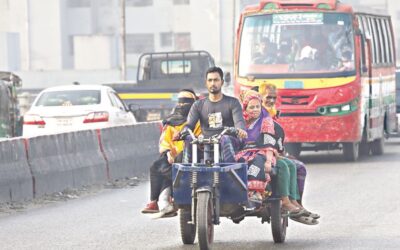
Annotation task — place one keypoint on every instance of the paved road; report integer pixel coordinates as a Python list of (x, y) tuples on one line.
[(359, 204)]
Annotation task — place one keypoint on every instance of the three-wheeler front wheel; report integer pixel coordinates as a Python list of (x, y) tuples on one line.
[(204, 220)]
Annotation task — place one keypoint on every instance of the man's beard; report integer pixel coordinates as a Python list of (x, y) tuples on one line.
[(214, 90)]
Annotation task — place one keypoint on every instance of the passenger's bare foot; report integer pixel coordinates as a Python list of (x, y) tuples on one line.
[(294, 202), (288, 206)]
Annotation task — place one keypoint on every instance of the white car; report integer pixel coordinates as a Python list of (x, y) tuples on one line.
[(75, 107)]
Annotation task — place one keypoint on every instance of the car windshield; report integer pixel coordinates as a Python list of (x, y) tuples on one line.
[(297, 43), (69, 98)]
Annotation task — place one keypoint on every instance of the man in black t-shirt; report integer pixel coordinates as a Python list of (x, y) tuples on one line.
[(216, 112)]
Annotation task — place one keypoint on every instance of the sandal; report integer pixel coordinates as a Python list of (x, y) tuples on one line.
[(297, 212), (305, 220), (310, 214)]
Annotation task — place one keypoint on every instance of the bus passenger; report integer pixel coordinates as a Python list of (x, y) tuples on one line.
[(338, 39), (307, 59), (347, 63), (266, 52), (285, 54)]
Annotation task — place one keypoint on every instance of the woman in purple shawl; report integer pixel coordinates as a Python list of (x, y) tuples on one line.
[(261, 148)]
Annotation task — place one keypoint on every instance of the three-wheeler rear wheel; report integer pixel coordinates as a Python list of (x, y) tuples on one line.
[(188, 231), (278, 222)]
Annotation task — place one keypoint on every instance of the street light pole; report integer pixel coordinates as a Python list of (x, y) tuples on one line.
[(122, 41)]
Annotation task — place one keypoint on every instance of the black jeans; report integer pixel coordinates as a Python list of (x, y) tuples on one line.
[(160, 176)]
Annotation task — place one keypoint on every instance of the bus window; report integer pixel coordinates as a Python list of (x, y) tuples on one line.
[(389, 38), (293, 43), (381, 40), (373, 41), (385, 41)]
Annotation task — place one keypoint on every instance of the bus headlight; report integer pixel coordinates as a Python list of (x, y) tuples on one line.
[(333, 110), (341, 109), (346, 107)]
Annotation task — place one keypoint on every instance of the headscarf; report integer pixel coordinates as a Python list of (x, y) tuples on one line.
[(179, 114), (263, 125), (246, 97)]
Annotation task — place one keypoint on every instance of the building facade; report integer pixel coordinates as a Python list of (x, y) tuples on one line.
[(75, 40), (52, 42)]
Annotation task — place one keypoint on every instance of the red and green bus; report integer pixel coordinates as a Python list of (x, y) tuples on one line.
[(334, 68)]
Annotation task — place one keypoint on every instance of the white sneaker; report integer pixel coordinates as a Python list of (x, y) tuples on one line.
[(167, 209), (163, 199)]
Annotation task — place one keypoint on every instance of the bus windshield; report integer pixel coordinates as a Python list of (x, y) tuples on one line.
[(297, 44)]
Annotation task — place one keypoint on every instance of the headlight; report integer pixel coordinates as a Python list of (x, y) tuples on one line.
[(341, 109), (346, 107), (333, 110)]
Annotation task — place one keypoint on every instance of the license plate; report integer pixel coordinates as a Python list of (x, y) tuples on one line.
[(64, 122), (153, 116)]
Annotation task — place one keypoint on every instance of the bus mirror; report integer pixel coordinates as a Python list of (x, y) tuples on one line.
[(227, 77)]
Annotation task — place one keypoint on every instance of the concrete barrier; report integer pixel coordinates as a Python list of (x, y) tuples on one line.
[(15, 176), (130, 150), (68, 160), (33, 167)]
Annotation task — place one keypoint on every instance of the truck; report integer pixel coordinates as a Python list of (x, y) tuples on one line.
[(160, 75), (10, 116)]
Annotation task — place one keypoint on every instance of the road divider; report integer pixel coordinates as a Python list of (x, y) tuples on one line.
[(68, 160), (15, 177), (36, 166), (129, 150)]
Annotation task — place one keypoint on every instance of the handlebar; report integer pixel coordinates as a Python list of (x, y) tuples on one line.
[(213, 139)]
